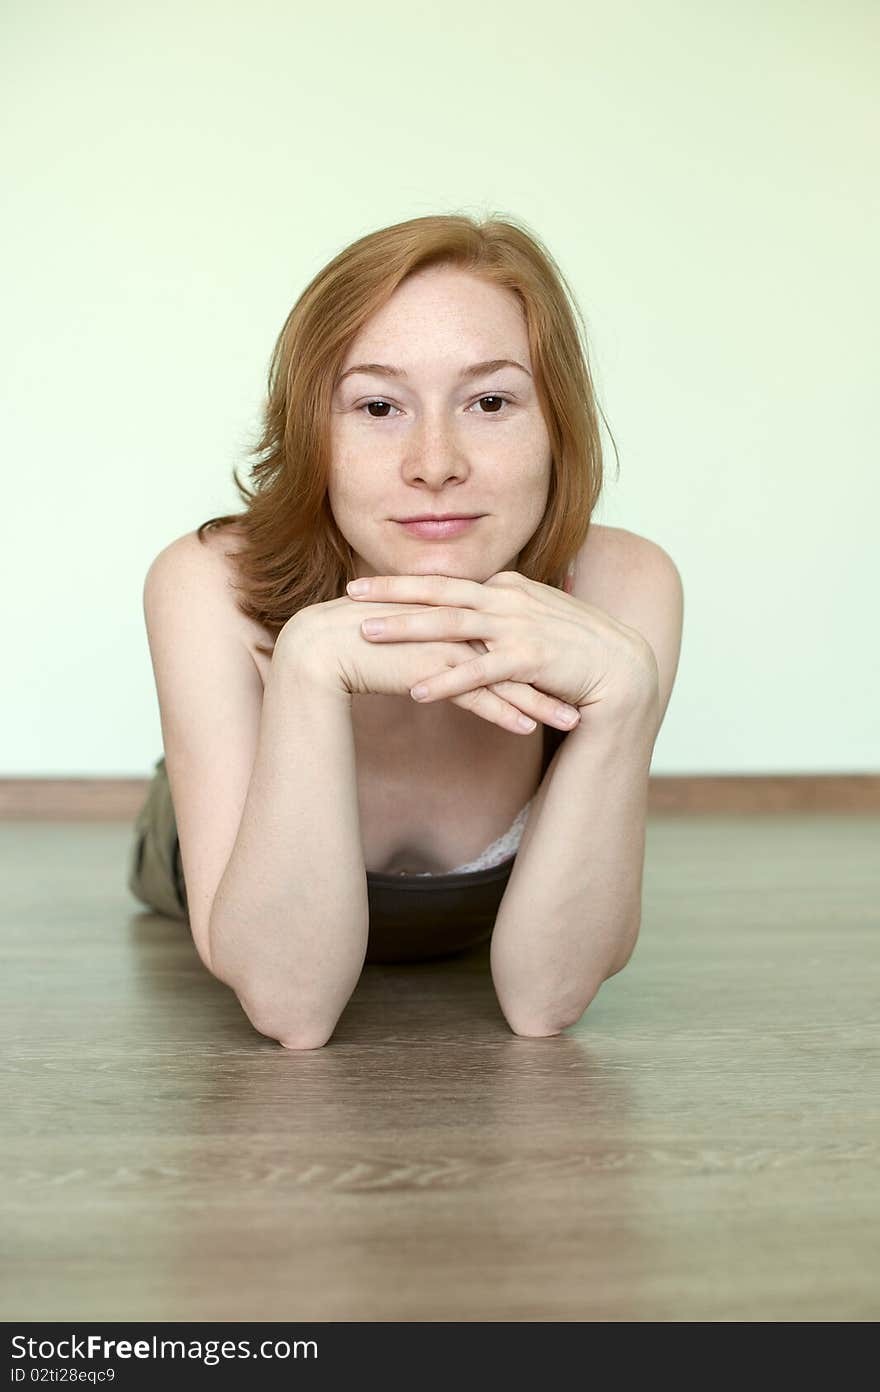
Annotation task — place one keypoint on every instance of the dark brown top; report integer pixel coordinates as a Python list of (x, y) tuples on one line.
[(412, 918)]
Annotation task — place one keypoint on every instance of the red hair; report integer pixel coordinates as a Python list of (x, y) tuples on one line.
[(292, 552)]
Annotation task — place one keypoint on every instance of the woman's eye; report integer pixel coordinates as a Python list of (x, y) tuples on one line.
[(502, 400)]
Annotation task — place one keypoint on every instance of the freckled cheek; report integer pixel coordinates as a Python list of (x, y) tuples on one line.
[(357, 496)]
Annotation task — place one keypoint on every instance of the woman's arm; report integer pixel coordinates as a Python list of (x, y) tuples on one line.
[(571, 911), (572, 907), (290, 920)]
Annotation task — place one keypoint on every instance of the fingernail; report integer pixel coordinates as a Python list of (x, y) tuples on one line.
[(358, 586), (567, 715), (524, 723), (418, 692)]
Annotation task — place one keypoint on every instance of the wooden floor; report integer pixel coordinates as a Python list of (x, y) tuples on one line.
[(703, 1145)]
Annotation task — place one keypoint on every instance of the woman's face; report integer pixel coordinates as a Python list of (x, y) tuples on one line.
[(435, 440)]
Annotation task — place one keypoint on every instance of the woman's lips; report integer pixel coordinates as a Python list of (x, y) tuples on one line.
[(439, 531)]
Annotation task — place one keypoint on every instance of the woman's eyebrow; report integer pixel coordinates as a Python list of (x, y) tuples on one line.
[(475, 369)]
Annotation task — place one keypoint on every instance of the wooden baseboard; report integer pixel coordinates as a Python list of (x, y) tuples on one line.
[(807, 792), (109, 799)]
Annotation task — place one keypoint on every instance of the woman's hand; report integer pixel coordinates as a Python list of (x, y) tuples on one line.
[(533, 634), (326, 640)]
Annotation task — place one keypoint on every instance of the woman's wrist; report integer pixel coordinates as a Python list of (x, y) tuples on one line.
[(304, 661)]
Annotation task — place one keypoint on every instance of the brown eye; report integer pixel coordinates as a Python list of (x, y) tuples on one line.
[(377, 403), (497, 410)]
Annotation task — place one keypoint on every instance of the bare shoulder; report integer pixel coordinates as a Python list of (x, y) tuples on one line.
[(209, 566), (637, 582), (612, 563), (209, 559)]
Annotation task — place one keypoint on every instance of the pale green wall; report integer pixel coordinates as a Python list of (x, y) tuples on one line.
[(175, 174)]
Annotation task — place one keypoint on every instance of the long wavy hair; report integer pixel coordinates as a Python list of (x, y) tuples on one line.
[(292, 553)]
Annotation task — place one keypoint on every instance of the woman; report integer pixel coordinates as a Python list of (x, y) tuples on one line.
[(309, 812)]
